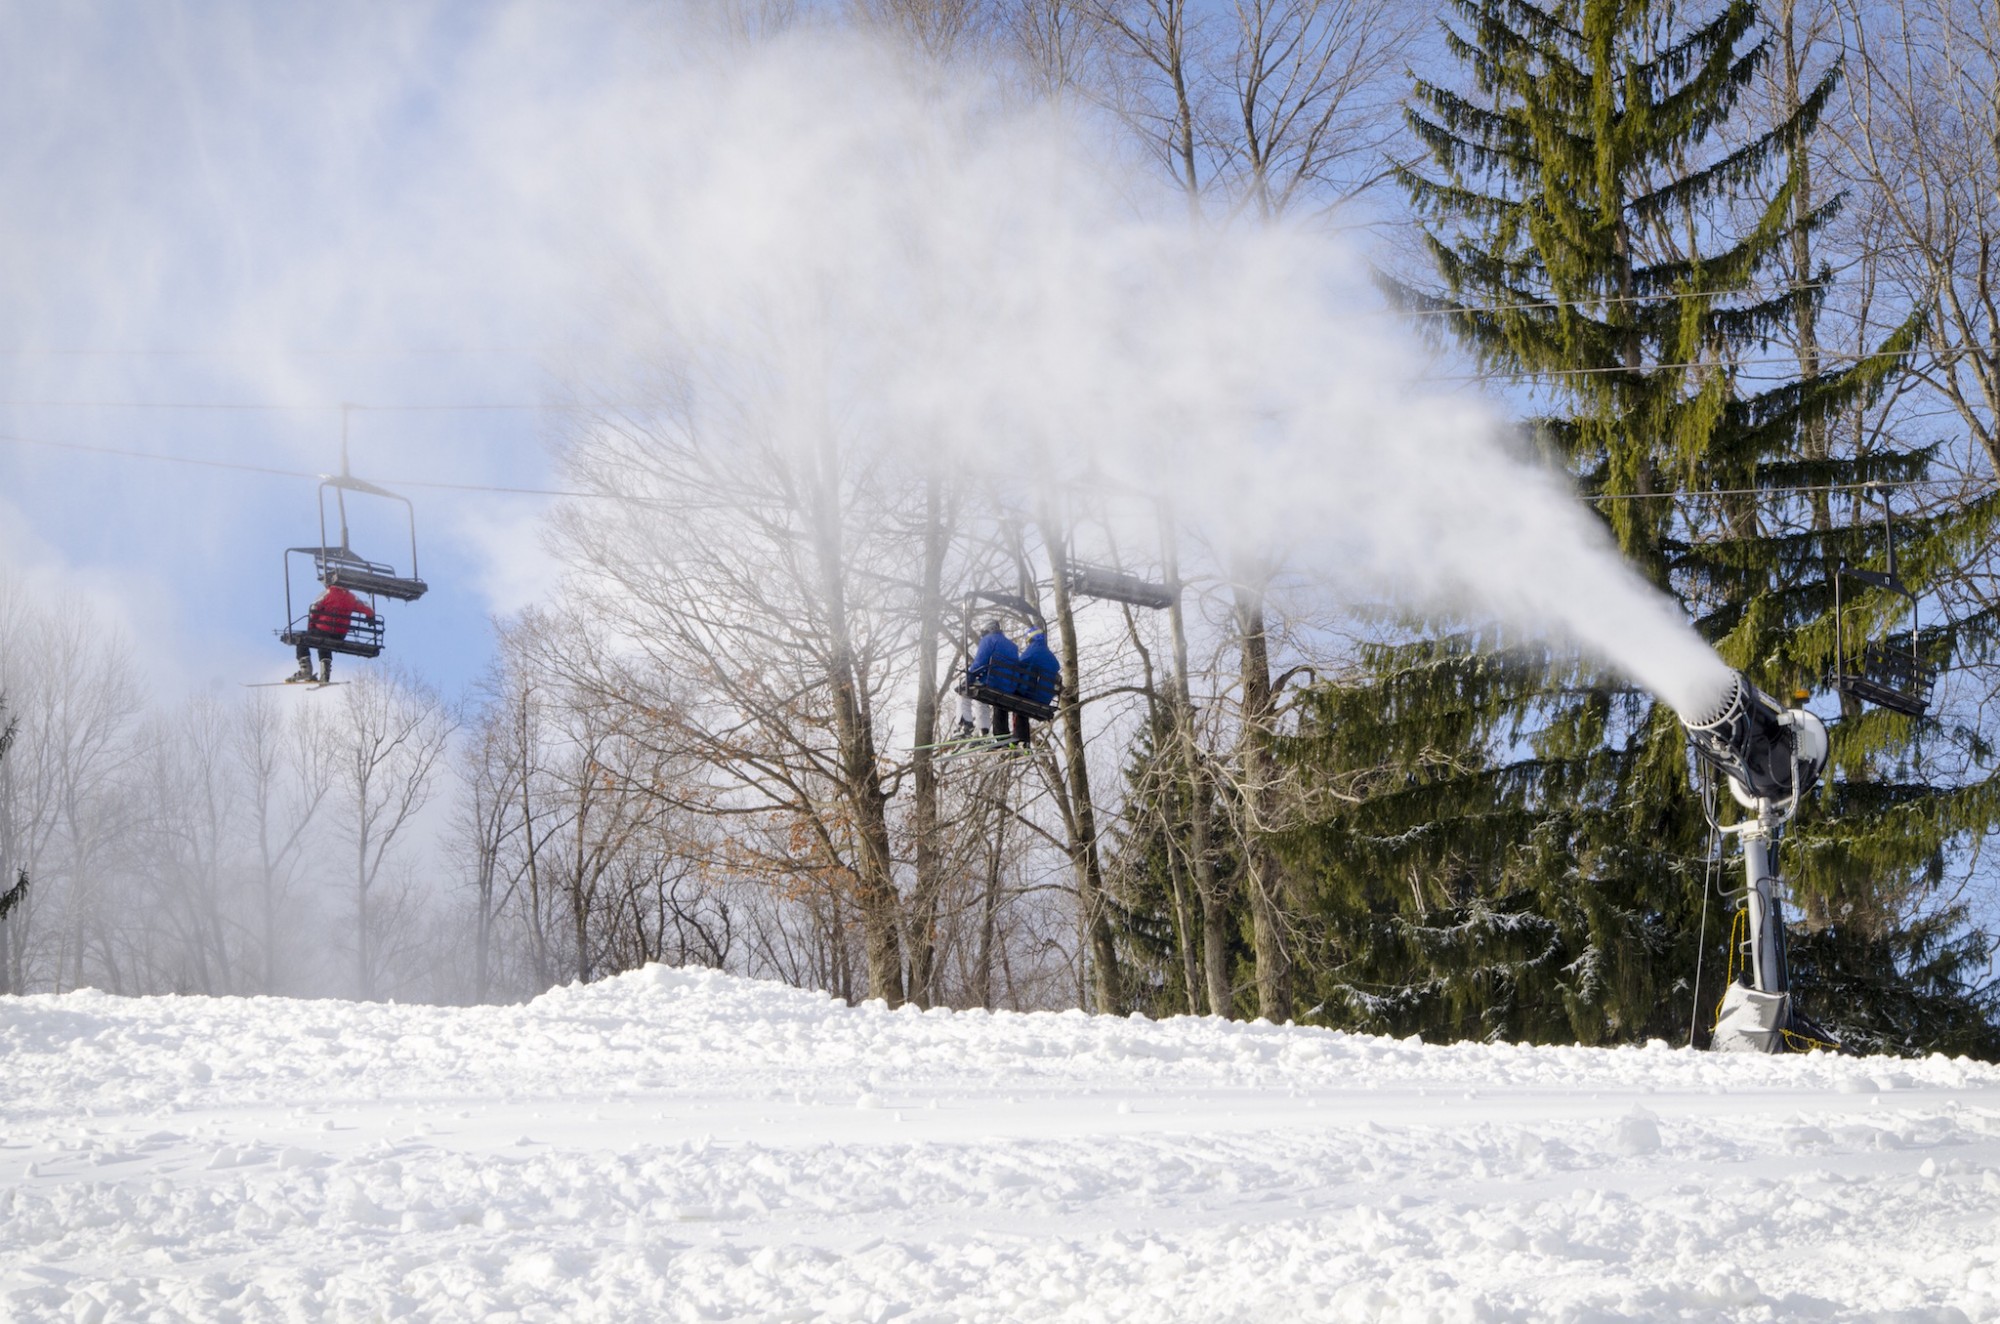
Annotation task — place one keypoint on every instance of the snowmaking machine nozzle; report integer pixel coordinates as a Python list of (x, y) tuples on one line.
[(1768, 752)]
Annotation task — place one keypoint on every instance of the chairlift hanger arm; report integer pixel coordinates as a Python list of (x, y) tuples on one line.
[(1012, 602), (354, 484)]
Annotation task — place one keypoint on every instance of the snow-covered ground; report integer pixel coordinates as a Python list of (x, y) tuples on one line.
[(682, 1145)]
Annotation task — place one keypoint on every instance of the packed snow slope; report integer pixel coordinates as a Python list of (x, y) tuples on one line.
[(684, 1145)]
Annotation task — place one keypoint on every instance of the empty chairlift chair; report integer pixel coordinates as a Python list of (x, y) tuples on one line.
[(339, 565), (1890, 672), (1096, 581)]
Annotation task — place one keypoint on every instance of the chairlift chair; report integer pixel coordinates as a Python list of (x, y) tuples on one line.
[(1096, 581), (995, 687), (1886, 673), (364, 632), (341, 565)]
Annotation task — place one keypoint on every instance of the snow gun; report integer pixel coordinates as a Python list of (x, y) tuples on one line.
[(1770, 755)]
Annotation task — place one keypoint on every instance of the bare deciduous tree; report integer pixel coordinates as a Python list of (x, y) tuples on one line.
[(390, 737), (1922, 147)]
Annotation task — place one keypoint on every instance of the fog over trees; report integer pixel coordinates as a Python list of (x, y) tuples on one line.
[(719, 742)]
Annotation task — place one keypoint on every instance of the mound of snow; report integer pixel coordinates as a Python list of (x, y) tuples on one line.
[(683, 1144)]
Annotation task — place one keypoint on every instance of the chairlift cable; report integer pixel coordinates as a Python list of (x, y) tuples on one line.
[(1609, 299), (478, 351), (274, 472), (315, 407), (1886, 484), (476, 406)]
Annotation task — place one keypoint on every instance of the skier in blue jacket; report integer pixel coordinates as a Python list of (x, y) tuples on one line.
[(1041, 677), (994, 647)]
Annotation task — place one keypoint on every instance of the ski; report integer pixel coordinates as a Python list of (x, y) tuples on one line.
[(292, 684), (1005, 748), (968, 743)]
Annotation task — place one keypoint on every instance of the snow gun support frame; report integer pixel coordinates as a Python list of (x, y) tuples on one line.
[(1770, 756)]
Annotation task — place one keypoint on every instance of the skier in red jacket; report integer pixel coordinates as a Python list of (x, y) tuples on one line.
[(336, 610)]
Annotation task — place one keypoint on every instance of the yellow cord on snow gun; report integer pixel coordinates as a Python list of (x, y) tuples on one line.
[(1738, 934), (1805, 1043)]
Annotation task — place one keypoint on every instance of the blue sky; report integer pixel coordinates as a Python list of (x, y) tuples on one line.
[(273, 210)]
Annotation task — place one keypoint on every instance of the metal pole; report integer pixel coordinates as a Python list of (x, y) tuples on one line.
[(1761, 902), (340, 493)]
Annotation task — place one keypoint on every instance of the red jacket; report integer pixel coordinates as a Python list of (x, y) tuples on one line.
[(335, 610)]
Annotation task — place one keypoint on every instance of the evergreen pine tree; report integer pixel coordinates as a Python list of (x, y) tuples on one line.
[(1530, 859), (1154, 911)]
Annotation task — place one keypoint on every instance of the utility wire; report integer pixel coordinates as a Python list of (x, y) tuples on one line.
[(475, 351), (225, 406), (1601, 300), (1531, 374), (1516, 375), (217, 352), (1898, 484), (1775, 490), (308, 474)]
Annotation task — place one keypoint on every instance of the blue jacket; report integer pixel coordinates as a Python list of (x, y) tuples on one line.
[(1041, 672), (994, 647)]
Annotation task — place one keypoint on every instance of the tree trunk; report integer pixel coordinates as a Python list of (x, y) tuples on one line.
[(1208, 887), (1261, 869), (930, 866), (860, 773), (364, 984), (1101, 951), (989, 903)]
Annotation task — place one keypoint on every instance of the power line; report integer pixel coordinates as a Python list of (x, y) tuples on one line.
[(1532, 374), (1794, 489), (248, 407), (1790, 489), (1600, 300), (477, 351), (475, 406), (218, 352), (271, 471)]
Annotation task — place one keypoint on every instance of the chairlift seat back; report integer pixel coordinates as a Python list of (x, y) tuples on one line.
[(1890, 672), (1892, 678)]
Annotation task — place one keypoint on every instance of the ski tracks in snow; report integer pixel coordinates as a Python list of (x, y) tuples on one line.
[(683, 1145)]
